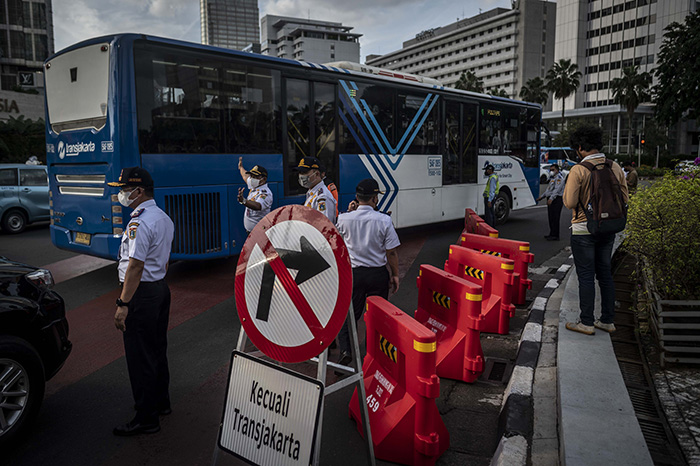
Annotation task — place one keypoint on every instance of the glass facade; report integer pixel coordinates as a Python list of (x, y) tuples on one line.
[(26, 38), (231, 24)]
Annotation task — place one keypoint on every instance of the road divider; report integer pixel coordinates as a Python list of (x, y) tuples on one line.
[(477, 225), (518, 251), (451, 308), (495, 276), (402, 385)]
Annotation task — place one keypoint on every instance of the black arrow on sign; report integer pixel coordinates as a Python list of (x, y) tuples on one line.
[(308, 263)]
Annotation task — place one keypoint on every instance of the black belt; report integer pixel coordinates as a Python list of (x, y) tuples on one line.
[(121, 284)]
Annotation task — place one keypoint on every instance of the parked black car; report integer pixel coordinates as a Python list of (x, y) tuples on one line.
[(33, 343)]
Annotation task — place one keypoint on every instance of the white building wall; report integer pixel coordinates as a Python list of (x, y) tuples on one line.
[(494, 45)]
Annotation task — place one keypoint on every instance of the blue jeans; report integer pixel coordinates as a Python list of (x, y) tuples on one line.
[(592, 258)]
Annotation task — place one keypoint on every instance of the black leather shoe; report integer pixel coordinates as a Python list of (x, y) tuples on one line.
[(135, 428)]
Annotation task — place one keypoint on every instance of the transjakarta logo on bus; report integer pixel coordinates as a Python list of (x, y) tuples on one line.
[(71, 150), (499, 166)]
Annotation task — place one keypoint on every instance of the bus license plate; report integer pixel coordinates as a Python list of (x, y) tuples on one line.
[(82, 238)]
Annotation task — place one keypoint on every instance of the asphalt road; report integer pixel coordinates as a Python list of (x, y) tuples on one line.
[(91, 394)]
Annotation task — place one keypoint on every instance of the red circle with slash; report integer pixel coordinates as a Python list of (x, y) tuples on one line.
[(293, 284)]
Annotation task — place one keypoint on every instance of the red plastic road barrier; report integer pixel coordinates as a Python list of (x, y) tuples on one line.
[(401, 386), (477, 225), (451, 308), (518, 251), (495, 275)]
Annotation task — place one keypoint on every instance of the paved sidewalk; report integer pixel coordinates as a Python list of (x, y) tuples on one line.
[(597, 423)]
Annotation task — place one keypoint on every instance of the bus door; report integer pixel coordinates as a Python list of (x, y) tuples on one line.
[(310, 128), (459, 168)]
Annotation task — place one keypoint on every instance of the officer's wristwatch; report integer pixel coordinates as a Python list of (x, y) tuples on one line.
[(121, 303)]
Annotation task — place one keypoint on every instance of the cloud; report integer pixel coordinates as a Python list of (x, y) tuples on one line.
[(384, 24), (76, 20)]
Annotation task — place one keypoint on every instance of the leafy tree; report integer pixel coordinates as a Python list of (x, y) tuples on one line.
[(468, 81), (630, 90), (562, 79), (21, 138), (676, 95), (499, 93), (535, 91)]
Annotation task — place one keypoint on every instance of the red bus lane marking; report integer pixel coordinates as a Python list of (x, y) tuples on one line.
[(96, 341)]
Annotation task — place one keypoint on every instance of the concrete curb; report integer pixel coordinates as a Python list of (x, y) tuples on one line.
[(517, 412)]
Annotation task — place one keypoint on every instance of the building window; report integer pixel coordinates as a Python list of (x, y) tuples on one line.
[(17, 44), (14, 9)]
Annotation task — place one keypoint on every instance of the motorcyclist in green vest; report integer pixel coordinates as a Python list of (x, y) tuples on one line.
[(490, 192)]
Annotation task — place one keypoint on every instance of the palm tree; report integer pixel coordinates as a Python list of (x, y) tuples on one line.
[(468, 81), (535, 91), (630, 90), (499, 93), (563, 80)]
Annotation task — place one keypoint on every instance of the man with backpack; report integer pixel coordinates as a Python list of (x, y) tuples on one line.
[(596, 193)]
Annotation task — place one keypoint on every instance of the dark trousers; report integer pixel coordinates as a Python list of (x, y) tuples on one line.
[(366, 281), (593, 259), (489, 213), (554, 213), (146, 345)]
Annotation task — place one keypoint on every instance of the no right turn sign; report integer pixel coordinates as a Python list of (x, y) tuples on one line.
[(293, 284)]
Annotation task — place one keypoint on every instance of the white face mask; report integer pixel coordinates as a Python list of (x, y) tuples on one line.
[(552, 173), (253, 182), (304, 181), (123, 197)]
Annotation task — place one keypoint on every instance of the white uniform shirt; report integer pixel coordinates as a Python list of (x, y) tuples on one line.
[(320, 198), (556, 187), (368, 234), (148, 238), (263, 196)]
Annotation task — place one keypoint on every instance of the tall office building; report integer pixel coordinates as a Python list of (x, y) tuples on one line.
[(504, 47), (26, 40), (603, 37), (231, 24), (308, 40)]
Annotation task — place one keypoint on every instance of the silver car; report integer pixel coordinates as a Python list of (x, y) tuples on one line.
[(24, 196)]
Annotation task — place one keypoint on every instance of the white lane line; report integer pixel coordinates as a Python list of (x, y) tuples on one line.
[(75, 266)]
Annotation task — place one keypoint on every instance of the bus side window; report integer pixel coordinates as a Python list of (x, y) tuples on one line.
[(460, 161), (298, 129)]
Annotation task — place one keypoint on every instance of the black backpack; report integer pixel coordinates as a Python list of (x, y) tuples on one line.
[(606, 210)]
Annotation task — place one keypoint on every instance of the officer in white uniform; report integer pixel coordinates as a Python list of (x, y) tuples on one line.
[(259, 200), (555, 201), (318, 196), (143, 307), (372, 243)]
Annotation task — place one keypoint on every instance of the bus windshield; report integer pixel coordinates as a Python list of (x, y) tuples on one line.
[(77, 86)]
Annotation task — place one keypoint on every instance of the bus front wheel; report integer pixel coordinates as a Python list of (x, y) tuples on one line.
[(501, 207)]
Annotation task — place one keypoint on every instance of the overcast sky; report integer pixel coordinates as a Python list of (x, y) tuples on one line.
[(384, 24)]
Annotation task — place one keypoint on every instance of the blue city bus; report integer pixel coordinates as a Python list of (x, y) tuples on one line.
[(187, 112)]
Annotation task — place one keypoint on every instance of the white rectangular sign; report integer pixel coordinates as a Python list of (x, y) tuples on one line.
[(271, 413)]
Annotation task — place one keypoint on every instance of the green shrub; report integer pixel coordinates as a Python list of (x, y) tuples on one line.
[(646, 170), (663, 226)]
